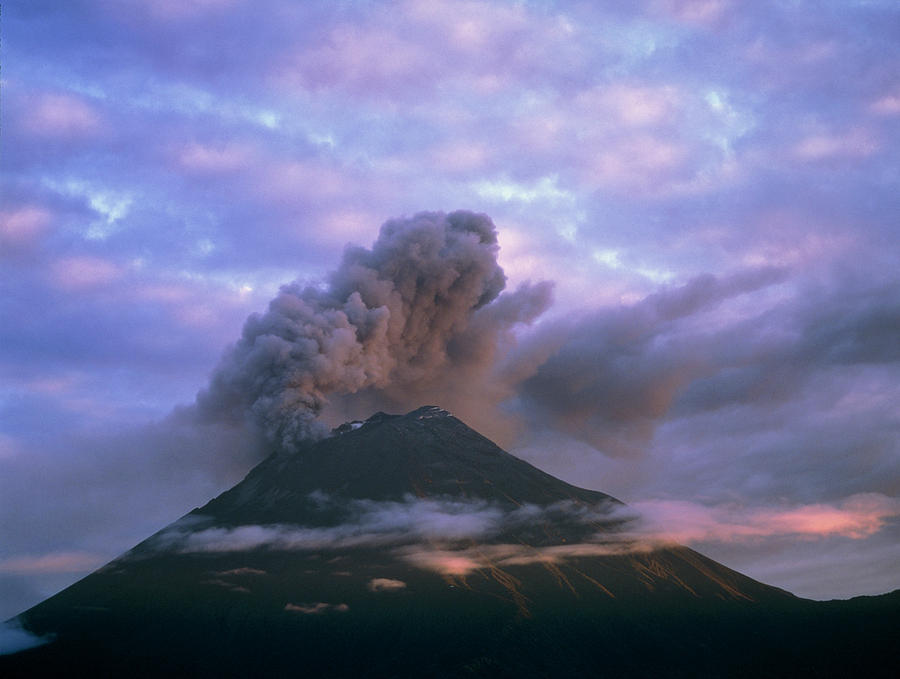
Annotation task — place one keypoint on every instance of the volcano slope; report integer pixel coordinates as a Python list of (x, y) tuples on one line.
[(412, 546)]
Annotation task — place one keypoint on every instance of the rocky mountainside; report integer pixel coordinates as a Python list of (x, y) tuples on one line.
[(413, 546)]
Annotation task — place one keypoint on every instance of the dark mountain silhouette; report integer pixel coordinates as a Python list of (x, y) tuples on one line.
[(412, 546)]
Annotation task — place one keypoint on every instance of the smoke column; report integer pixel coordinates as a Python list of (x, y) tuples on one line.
[(425, 301)]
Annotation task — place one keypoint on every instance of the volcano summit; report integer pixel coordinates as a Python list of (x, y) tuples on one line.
[(413, 546)]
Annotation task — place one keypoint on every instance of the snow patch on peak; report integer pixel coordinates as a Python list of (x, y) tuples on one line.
[(347, 426), (428, 412)]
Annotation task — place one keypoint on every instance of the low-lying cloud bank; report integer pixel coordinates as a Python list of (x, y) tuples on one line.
[(383, 523), (856, 517), (438, 534), (14, 639), (465, 560)]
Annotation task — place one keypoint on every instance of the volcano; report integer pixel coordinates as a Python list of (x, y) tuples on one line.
[(412, 546)]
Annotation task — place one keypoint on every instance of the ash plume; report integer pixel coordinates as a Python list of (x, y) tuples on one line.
[(422, 304)]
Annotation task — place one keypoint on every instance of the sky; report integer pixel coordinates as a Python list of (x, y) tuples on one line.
[(696, 214)]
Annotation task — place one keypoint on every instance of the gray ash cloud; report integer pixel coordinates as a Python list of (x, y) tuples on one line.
[(423, 304)]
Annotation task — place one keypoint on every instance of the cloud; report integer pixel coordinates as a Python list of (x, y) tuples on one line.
[(642, 527), (844, 567), (442, 523), (390, 56), (54, 562), (849, 144), (244, 570), (74, 273), (13, 638), (376, 523), (632, 105), (214, 160), (22, 227), (608, 377), (678, 521), (887, 105), (699, 12), (385, 585), (422, 304), (650, 525), (463, 561), (61, 115)]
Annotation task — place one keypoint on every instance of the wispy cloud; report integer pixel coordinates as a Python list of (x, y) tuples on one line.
[(13, 638), (386, 585), (468, 559), (53, 562), (243, 570), (438, 535), (857, 517), (381, 523)]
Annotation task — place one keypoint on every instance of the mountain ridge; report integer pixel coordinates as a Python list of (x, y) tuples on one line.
[(402, 458)]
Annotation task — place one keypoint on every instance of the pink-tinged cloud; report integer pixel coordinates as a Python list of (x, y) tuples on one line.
[(636, 163), (697, 12), (56, 384), (888, 105), (825, 146), (460, 156), (666, 522), (375, 58), (418, 46), (385, 585), (22, 227), (461, 562), (444, 562), (679, 521), (54, 562), (782, 242), (631, 105), (62, 115), (469, 26), (84, 272), (201, 159), (298, 180)]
